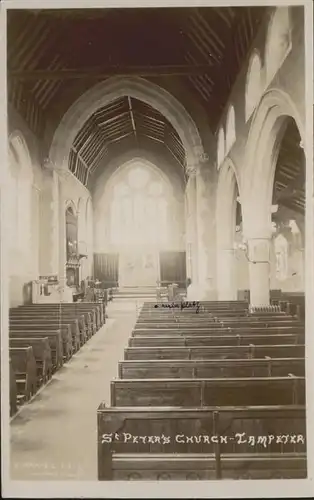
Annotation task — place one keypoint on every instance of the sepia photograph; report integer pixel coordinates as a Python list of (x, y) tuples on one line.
[(156, 247)]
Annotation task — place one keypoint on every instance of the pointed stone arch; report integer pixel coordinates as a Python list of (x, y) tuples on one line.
[(111, 89), (261, 153)]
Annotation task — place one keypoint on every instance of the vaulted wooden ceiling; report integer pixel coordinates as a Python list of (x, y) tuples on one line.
[(55, 55), (126, 123)]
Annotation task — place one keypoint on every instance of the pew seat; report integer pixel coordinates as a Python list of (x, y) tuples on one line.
[(54, 339), (216, 331), (242, 391), (189, 467), (76, 307), (280, 367), (25, 370), (81, 323), (208, 340), (64, 329), (42, 354), (216, 352), (229, 440)]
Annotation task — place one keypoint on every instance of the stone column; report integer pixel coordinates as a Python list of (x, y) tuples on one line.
[(226, 274), (259, 271), (62, 239), (191, 230), (206, 231), (48, 231)]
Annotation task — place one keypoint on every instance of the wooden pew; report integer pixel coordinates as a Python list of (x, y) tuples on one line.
[(25, 370), (42, 354), (90, 315), (54, 339), (215, 352), (201, 443), (173, 466), (208, 340), (218, 332), (270, 367), (13, 390), (208, 391), (292, 303), (46, 326), (80, 325), (214, 325), (97, 309)]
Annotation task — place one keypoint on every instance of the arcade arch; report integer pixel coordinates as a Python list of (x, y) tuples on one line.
[(263, 147)]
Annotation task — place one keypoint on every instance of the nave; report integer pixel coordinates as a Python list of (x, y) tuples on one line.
[(165, 381)]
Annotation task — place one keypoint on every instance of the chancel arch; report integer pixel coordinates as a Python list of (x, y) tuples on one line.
[(108, 91)]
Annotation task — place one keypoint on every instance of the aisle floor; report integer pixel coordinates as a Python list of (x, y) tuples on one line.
[(55, 435)]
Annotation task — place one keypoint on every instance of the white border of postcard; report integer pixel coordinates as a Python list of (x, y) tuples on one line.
[(154, 489)]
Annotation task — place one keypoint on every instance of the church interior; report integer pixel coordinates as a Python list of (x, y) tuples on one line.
[(155, 188)]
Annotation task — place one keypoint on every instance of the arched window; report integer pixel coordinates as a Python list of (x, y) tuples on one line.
[(281, 252), (253, 85), (279, 42), (139, 210), (230, 129), (221, 147)]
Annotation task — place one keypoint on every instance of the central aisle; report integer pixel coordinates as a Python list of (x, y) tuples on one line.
[(55, 436)]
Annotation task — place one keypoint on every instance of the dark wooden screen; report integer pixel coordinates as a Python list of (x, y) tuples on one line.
[(173, 268), (106, 269)]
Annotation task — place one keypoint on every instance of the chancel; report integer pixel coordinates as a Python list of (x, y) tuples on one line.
[(155, 192)]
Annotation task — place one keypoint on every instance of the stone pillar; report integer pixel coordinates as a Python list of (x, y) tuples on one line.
[(49, 216), (259, 271), (62, 239), (191, 230), (226, 274), (206, 231)]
